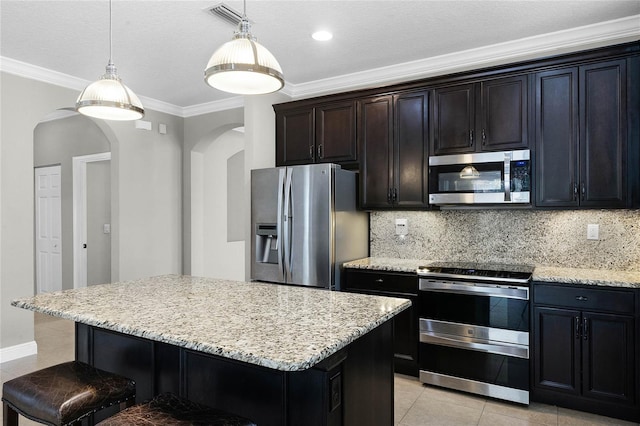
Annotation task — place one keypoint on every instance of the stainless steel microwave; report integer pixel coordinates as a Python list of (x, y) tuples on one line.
[(502, 177)]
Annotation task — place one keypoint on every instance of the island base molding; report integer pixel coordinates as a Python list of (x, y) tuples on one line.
[(351, 387)]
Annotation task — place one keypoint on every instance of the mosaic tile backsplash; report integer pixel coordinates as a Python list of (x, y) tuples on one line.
[(553, 238)]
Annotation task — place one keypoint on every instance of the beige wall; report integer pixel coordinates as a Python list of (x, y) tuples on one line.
[(146, 196)]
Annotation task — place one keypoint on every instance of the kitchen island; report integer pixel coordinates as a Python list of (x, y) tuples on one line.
[(280, 355)]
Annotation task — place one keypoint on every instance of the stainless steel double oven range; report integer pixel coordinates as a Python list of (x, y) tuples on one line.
[(474, 329)]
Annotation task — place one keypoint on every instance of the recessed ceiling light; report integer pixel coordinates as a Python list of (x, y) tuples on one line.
[(322, 35)]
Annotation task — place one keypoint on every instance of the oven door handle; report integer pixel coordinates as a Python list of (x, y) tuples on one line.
[(508, 349), (475, 289)]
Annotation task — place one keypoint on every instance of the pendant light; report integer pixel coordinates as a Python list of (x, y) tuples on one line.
[(108, 98), (469, 172), (243, 66)]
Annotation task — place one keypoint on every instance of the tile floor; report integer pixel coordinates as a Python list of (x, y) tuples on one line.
[(415, 404)]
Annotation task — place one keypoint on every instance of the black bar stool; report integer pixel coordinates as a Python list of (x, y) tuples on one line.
[(64, 394), (170, 410)]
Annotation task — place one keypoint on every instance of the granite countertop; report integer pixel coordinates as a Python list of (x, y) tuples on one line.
[(281, 327), (598, 277)]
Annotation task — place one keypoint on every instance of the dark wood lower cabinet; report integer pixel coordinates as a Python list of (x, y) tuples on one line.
[(354, 386), (585, 349), (405, 324)]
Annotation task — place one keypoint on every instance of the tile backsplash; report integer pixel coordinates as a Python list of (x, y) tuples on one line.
[(551, 238)]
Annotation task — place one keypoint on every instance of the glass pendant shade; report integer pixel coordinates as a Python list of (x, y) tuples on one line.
[(109, 99), (243, 66)]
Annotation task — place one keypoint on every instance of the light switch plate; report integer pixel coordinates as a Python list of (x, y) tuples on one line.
[(593, 231), (402, 227)]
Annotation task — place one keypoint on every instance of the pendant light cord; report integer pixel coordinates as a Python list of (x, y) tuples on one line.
[(110, 34)]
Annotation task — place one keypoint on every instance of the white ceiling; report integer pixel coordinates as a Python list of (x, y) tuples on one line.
[(161, 47)]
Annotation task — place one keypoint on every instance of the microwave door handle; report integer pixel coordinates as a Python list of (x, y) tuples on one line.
[(507, 176)]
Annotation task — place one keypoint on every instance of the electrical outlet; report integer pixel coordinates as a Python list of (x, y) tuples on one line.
[(402, 227), (593, 231)]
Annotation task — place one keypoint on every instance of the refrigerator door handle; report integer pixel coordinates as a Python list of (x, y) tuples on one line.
[(287, 226), (279, 224)]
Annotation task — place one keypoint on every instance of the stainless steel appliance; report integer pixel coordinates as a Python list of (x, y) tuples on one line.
[(502, 177), (474, 329), (305, 224)]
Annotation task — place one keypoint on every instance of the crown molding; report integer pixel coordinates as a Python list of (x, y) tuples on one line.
[(224, 104), (573, 39)]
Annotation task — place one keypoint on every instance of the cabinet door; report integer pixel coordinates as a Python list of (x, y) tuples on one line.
[(375, 141), (335, 133), (603, 141), (557, 350), (504, 114), (294, 137), (608, 362), (411, 150), (453, 116), (556, 138)]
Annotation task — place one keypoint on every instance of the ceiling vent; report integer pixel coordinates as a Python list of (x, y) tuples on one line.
[(223, 11)]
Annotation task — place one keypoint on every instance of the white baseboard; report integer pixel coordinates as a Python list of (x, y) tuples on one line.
[(18, 351)]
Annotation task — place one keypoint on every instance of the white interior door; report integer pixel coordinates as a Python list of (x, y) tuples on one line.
[(48, 216)]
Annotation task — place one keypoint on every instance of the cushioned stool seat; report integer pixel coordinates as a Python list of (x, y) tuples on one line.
[(170, 410), (64, 393)]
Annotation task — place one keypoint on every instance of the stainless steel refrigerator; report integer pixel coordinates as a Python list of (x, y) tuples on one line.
[(305, 224)]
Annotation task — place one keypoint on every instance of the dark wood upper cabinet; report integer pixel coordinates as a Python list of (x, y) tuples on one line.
[(504, 114), (581, 136), (578, 113), (454, 119), (324, 133), (336, 133), (294, 137), (603, 134), (375, 139), (489, 115), (556, 127), (392, 136)]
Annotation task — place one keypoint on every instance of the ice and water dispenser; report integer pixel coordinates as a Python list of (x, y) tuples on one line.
[(266, 243)]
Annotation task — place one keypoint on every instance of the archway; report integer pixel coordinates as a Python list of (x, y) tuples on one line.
[(217, 204), (58, 138)]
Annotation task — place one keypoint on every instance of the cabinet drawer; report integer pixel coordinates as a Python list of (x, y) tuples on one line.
[(580, 297), (392, 282)]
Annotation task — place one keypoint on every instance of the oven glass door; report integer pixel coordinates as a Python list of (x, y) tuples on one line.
[(488, 311), (502, 370)]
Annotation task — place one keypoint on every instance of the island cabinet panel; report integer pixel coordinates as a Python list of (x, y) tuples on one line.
[(405, 324), (490, 115), (323, 133), (392, 136), (581, 137), (352, 387), (585, 349)]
